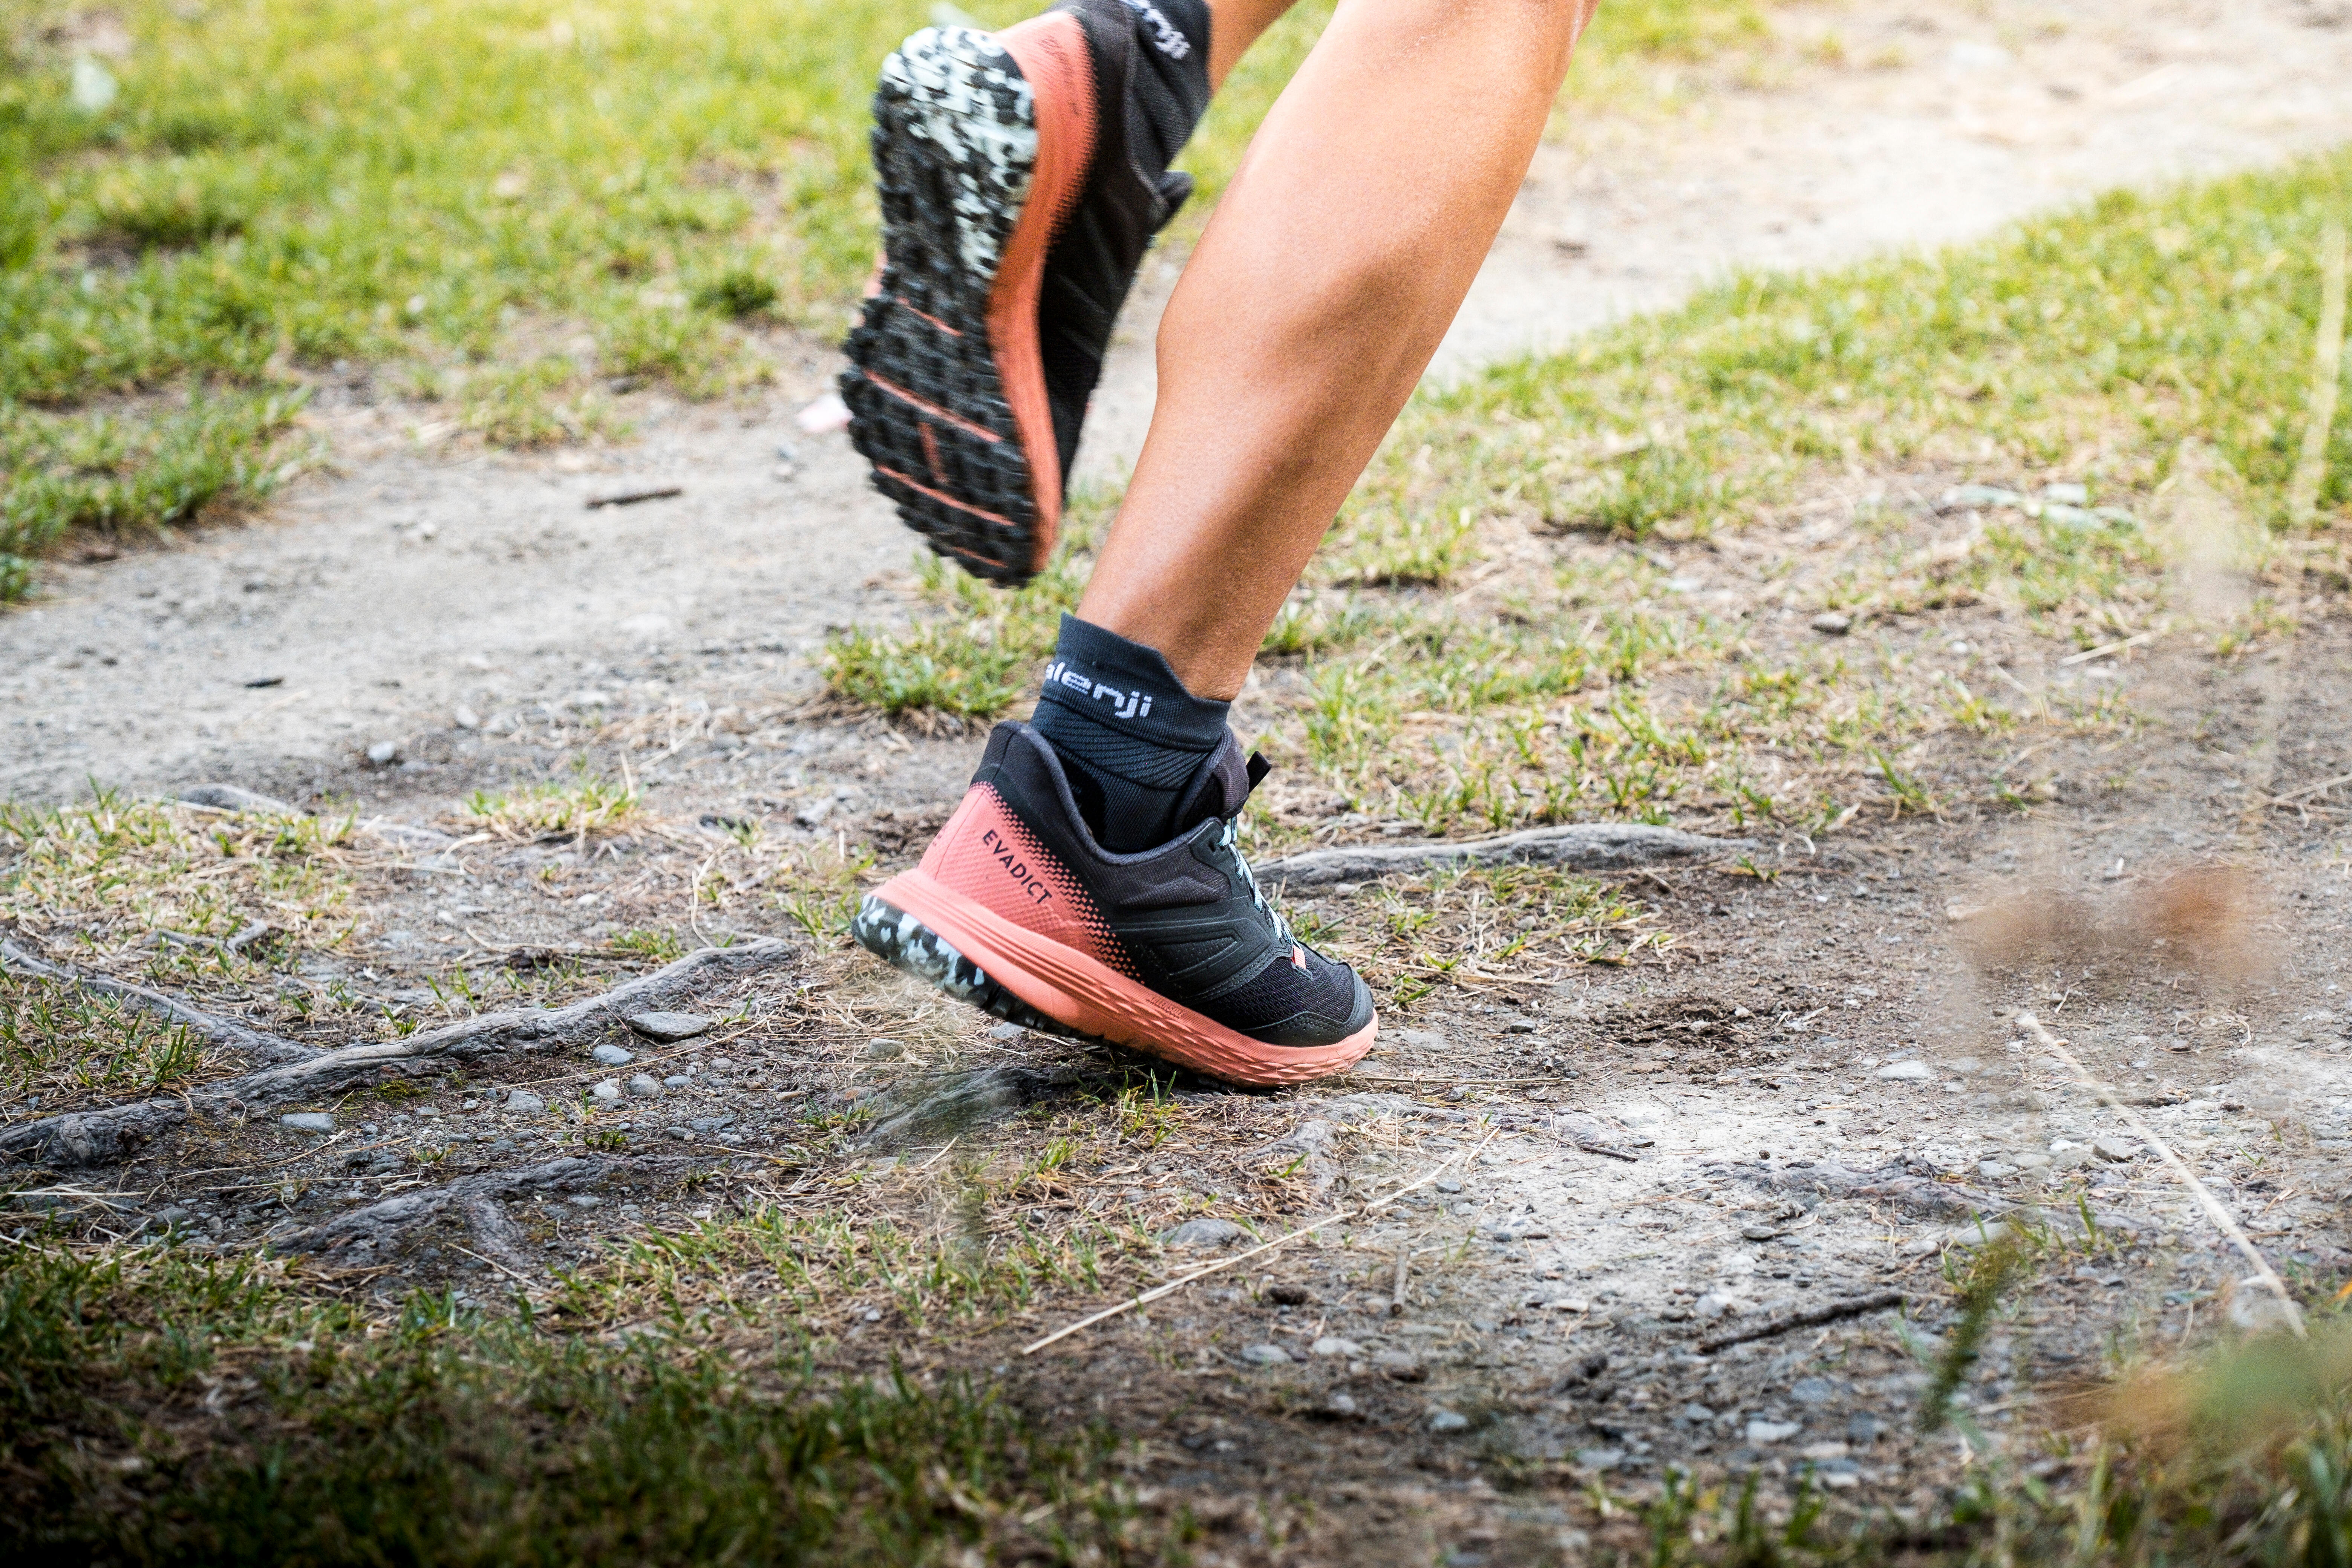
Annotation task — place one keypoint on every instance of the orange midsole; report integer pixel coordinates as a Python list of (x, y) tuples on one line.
[(1051, 51), (1087, 995)]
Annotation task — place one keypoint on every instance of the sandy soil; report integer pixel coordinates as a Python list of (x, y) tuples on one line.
[(411, 579)]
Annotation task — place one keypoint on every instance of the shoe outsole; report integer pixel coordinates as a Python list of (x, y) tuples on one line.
[(917, 924), (945, 387)]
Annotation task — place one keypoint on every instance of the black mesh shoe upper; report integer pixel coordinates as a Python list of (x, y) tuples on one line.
[(1187, 917), (1145, 109)]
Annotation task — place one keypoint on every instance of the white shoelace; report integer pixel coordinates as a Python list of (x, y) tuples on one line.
[(1230, 838)]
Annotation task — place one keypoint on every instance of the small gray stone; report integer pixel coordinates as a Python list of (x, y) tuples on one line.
[(1600, 1459), (614, 1056), (1812, 1391), (584, 1201), (1759, 1232), (664, 1028), (308, 1121), (1441, 1419), (522, 1102), (1265, 1355), (1995, 1170), (677, 1081), (607, 1092), (882, 1050), (1831, 623), (1332, 1344), (2116, 1149), (1339, 1404), (1520, 1026), (384, 753), (1402, 1365), (1447, 1185), (1762, 1432), (644, 1083), (1203, 1232), (1906, 1072)]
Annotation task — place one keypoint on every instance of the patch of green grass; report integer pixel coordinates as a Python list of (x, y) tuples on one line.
[(113, 471), (119, 872), (578, 808), (2084, 346), (974, 649), (67, 1047), (441, 1435)]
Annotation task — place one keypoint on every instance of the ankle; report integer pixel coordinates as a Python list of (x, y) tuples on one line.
[(1131, 738)]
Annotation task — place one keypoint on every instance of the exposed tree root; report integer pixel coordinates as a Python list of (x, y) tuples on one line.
[(1582, 846), (219, 1030), (101, 1136), (474, 1197)]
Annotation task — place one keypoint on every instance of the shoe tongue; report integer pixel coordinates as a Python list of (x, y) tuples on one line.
[(1221, 787)]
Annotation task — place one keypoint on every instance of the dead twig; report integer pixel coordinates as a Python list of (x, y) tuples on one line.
[(1175, 1285), (631, 498), (2173, 1163), (1812, 1317)]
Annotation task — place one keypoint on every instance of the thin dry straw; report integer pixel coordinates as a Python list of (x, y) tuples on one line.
[(1175, 1285), (2188, 1178)]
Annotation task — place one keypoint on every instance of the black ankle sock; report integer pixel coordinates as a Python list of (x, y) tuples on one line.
[(1174, 36), (1131, 738)]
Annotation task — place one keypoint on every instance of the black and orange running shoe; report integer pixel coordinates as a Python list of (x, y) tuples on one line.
[(1023, 177), (1174, 951)]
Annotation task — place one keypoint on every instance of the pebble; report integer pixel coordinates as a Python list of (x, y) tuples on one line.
[(1447, 1185), (1762, 1432), (1332, 1344), (464, 718), (1441, 1419), (677, 1081), (664, 1028), (1520, 1026), (2116, 1149), (1204, 1232), (882, 1050), (1906, 1072), (1995, 1170), (606, 1091), (525, 1103), (1266, 1355), (1831, 623), (384, 753), (614, 1056), (1812, 1391), (308, 1121), (1402, 1365), (644, 1083), (1339, 1404), (1347, 889), (584, 1201), (1714, 1305), (1759, 1232)]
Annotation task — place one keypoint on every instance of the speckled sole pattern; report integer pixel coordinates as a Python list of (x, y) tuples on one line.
[(938, 383)]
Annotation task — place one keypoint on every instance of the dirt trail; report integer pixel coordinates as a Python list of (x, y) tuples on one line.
[(385, 594)]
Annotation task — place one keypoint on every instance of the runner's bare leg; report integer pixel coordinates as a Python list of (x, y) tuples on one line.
[(1334, 263)]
